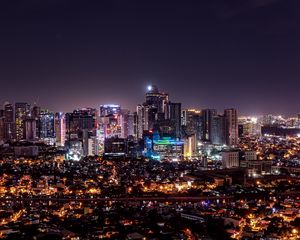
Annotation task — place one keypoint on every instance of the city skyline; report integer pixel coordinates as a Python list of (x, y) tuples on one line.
[(223, 54), (134, 107)]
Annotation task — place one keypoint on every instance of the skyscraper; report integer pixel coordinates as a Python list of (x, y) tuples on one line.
[(60, 129), (47, 131), (35, 114), (9, 124), (159, 114), (217, 130), (156, 98), (231, 127), (192, 123), (30, 129), (207, 115), (78, 120), (174, 115), (22, 112)]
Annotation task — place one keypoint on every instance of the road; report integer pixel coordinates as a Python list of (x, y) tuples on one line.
[(120, 199)]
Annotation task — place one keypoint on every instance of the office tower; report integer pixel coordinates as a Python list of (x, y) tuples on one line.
[(35, 114), (174, 115), (157, 99), (140, 118), (9, 124), (231, 127), (125, 114), (192, 123), (85, 142), (22, 112), (111, 120), (207, 115), (47, 130), (159, 114), (60, 129), (299, 120), (78, 120), (132, 125), (217, 130), (30, 129)]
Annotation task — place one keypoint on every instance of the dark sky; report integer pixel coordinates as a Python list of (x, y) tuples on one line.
[(205, 53)]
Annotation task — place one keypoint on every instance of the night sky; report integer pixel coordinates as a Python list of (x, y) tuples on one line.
[(204, 53)]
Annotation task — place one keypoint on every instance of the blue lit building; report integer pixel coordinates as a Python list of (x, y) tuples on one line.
[(158, 148)]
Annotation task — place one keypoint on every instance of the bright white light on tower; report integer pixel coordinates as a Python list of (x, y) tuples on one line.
[(149, 88), (254, 120)]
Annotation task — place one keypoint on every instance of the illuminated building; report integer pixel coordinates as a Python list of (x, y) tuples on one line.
[(168, 148), (47, 129), (279, 131), (75, 150), (207, 115), (9, 124), (157, 99), (111, 120), (158, 148), (93, 146), (230, 159), (158, 113), (190, 146), (248, 126), (109, 109), (192, 123), (60, 128), (22, 111), (132, 125), (231, 127), (79, 120), (115, 147)]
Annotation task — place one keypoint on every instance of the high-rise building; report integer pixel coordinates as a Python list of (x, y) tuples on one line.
[(158, 113), (22, 112), (78, 120), (111, 121), (217, 130), (9, 124), (47, 130), (132, 125), (174, 115), (30, 129), (231, 127), (35, 114), (192, 123), (60, 128), (207, 115), (157, 99)]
